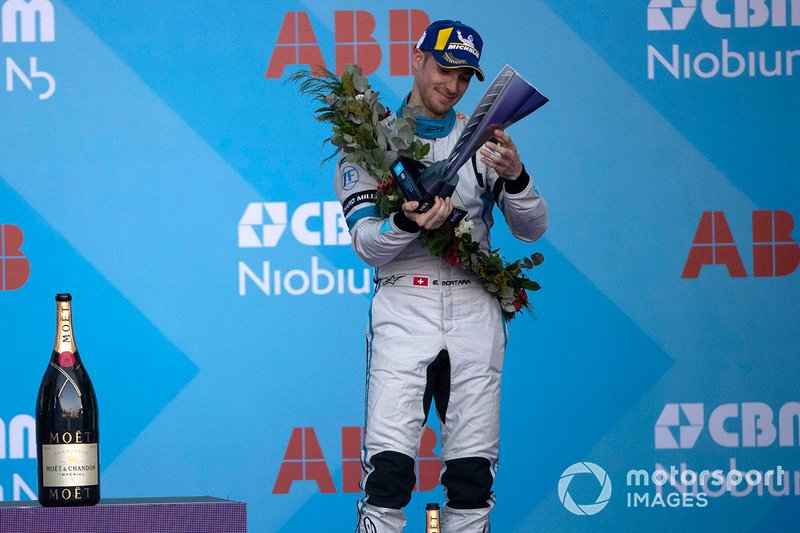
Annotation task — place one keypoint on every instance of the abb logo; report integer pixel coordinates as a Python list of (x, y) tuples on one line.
[(353, 42), (15, 269), (775, 252), (304, 461)]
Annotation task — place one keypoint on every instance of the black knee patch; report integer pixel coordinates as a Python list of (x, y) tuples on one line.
[(391, 481), (468, 482)]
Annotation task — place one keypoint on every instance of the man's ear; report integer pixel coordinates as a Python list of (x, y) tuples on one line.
[(417, 58)]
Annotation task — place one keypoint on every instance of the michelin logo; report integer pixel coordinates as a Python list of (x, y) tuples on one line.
[(465, 48), (468, 41)]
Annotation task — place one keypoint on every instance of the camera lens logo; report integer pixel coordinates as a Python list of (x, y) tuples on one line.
[(578, 469), (665, 15)]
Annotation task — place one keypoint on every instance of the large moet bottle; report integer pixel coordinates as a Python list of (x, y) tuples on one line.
[(67, 436)]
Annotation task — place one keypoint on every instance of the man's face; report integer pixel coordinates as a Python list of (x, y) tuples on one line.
[(437, 89)]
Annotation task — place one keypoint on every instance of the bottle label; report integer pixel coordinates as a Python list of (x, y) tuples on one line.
[(69, 465), (65, 340)]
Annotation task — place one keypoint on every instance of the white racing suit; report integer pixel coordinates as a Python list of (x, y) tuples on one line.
[(434, 333)]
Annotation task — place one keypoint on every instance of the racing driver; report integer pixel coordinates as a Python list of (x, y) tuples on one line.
[(434, 332)]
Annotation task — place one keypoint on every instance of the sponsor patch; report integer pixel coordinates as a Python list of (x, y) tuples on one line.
[(358, 198), (391, 280), (350, 177)]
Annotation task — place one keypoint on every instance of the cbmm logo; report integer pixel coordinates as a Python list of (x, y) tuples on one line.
[(14, 267), (663, 15)]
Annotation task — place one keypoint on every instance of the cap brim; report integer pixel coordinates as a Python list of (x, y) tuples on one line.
[(478, 71)]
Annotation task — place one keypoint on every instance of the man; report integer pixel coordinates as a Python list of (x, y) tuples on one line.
[(434, 332)]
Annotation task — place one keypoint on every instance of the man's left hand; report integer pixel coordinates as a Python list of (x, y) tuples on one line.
[(502, 156)]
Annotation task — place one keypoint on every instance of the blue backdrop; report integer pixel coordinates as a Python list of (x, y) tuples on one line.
[(155, 164)]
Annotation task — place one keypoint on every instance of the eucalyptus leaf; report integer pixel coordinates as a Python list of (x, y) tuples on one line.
[(383, 142), (530, 285), (360, 83), (380, 157), (405, 135)]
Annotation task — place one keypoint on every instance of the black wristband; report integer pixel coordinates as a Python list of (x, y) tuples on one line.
[(518, 185), (405, 223)]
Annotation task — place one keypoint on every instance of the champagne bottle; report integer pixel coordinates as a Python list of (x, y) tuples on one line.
[(432, 518), (67, 436)]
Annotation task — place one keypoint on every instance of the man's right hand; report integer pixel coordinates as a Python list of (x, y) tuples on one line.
[(433, 217)]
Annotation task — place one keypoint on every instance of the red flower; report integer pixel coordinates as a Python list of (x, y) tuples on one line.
[(451, 255), (453, 259), (385, 186), (521, 300)]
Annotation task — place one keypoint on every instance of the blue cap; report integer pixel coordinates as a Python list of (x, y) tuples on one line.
[(453, 45)]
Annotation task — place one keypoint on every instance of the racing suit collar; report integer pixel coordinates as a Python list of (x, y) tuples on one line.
[(431, 128)]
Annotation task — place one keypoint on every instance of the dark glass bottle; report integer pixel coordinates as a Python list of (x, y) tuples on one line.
[(67, 437)]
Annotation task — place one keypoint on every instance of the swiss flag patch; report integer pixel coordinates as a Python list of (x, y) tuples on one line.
[(420, 281)]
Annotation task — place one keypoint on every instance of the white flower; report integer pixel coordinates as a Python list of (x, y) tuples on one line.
[(359, 97), (464, 227)]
